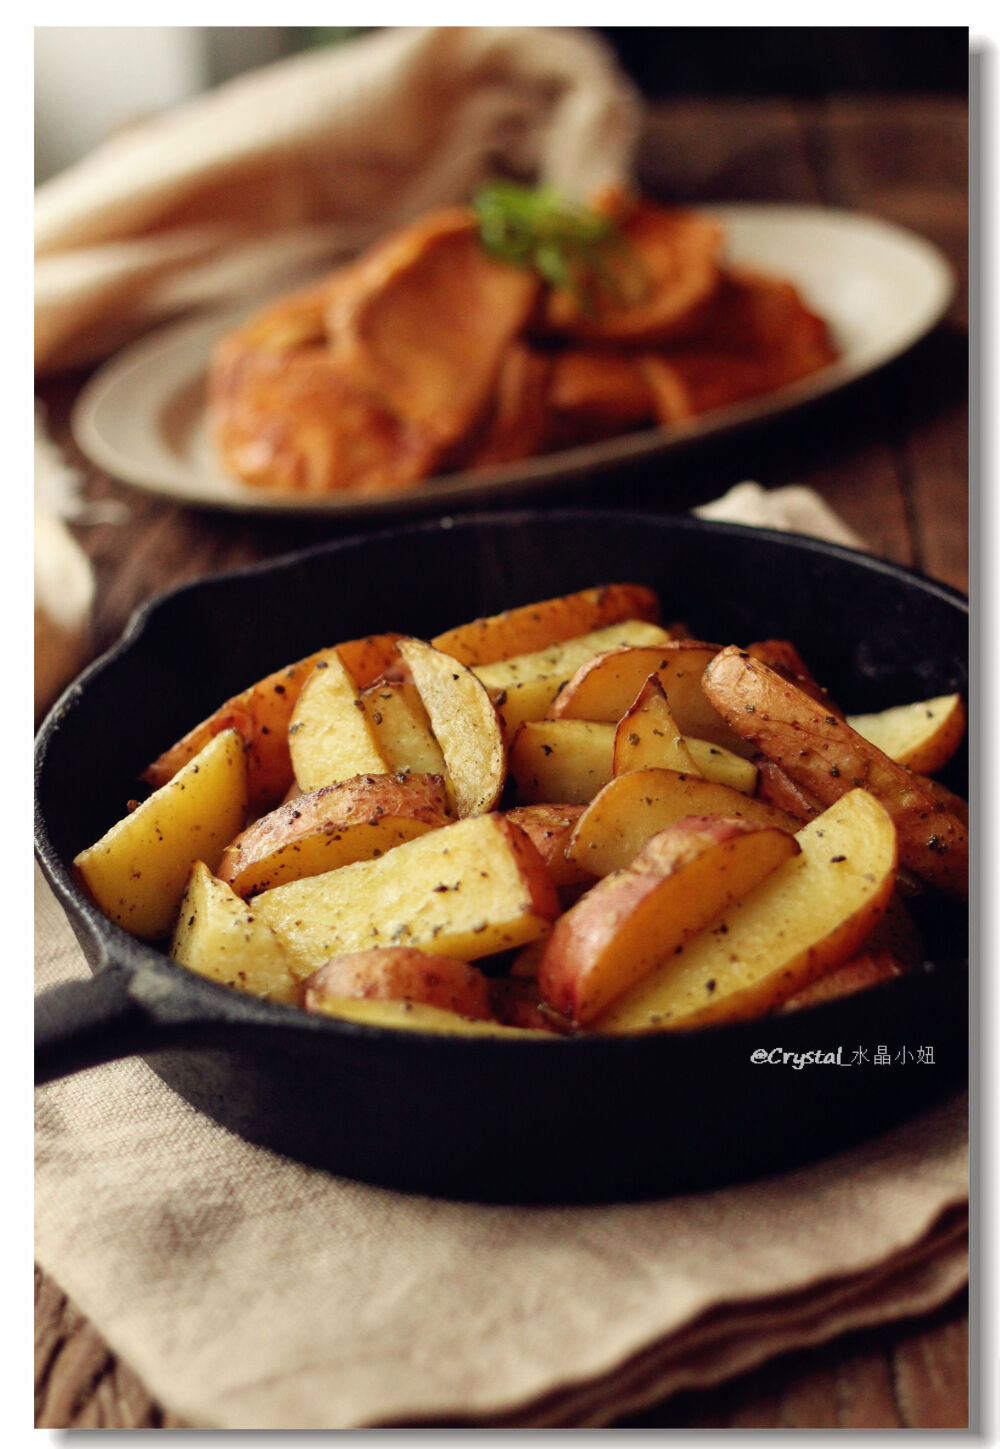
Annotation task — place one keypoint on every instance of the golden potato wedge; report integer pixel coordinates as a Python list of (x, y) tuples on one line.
[(855, 975), (465, 724), (631, 808), (261, 714), (826, 757), (401, 973), (630, 921), (648, 737), (922, 736), (357, 819), (535, 627), (524, 686), (550, 828), (330, 737), (219, 936), (418, 1016), (137, 872), (471, 889), (561, 761), (807, 917), (605, 686), (717, 763), (402, 729)]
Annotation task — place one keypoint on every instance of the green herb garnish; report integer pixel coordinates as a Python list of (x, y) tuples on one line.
[(569, 245)]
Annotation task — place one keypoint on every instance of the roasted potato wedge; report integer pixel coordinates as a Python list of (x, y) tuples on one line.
[(330, 737), (468, 890), (631, 808), (630, 921), (418, 1016), (827, 758), (535, 627), (605, 687), (357, 819), (810, 915), (466, 726), (922, 736), (138, 871), (220, 936), (401, 973), (550, 829), (648, 736), (402, 729)]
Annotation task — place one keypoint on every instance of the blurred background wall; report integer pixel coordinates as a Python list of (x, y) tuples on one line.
[(93, 80)]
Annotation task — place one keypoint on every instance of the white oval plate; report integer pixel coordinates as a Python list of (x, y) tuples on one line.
[(141, 417)]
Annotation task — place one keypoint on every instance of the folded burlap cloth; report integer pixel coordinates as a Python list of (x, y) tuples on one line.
[(300, 161), (252, 1293)]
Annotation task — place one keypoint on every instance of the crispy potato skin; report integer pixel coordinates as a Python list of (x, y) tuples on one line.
[(356, 819), (550, 828), (632, 920), (776, 787), (552, 621), (402, 973), (826, 757), (782, 656)]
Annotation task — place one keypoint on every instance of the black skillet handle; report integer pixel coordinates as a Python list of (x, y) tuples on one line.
[(83, 1023)]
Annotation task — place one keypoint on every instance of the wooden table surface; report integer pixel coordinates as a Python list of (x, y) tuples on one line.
[(890, 455)]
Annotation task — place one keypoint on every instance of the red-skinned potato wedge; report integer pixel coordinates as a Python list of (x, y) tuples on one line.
[(605, 687), (564, 761), (401, 973), (552, 621), (357, 819), (468, 890), (465, 723), (367, 660), (808, 917), (261, 715), (856, 975), (550, 829), (330, 737), (922, 736), (827, 758), (633, 807), (219, 936), (782, 656), (138, 870), (524, 686), (627, 923)]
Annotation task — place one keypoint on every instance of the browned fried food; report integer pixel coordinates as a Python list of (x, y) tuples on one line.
[(756, 335), (517, 422), (663, 276), (426, 322), (595, 394)]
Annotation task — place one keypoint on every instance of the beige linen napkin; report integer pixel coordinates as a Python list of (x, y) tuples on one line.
[(251, 1292), (297, 161)]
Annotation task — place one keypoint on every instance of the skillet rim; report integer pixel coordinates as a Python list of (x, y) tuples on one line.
[(195, 1000)]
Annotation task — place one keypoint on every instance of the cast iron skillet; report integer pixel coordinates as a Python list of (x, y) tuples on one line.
[(580, 1119)]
